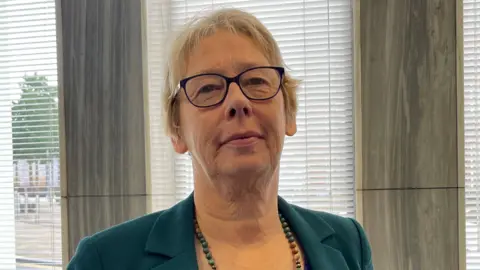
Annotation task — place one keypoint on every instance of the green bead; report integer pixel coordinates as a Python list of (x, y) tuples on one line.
[(286, 230)]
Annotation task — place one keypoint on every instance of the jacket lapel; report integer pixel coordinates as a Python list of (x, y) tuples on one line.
[(172, 236), (319, 255), (183, 261)]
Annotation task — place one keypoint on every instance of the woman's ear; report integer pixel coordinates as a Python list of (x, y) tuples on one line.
[(179, 145), (291, 125)]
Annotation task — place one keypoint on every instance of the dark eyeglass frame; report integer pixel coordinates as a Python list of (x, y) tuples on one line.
[(236, 79)]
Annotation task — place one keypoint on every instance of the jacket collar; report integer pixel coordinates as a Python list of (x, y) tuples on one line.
[(172, 236), (312, 239)]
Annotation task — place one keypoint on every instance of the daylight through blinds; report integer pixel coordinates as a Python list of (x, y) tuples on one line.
[(29, 149)]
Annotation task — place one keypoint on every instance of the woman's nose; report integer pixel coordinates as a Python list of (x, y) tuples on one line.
[(236, 103)]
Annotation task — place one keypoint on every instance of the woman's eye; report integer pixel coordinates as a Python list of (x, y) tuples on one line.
[(256, 81), (207, 89)]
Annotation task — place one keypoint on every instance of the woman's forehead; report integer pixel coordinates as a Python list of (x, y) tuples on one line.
[(224, 53), (236, 66)]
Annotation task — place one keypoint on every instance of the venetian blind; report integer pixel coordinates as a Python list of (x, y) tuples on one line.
[(471, 20), (29, 167), (315, 37)]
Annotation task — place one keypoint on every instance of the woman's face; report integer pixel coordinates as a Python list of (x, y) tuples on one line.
[(209, 133)]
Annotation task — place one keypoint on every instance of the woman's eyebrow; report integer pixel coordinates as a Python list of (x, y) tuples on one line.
[(239, 67)]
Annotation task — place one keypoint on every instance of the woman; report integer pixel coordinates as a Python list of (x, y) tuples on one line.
[(229, 103)]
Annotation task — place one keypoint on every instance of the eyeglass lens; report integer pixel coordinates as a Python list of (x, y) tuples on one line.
[(210, 89)]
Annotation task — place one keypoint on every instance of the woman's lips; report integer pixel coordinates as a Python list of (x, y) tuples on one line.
[(243, 142)]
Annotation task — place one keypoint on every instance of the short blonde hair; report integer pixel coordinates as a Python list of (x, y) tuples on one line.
[(235, 21)]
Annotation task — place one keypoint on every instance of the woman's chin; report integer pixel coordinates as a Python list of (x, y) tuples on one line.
[(244, 177), (244, 166)]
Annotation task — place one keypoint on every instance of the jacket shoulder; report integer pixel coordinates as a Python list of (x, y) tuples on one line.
[(116, 245), (338, 223), (137, 228), (349, 237)]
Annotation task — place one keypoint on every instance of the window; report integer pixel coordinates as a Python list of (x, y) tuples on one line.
[(29, 166), (471, 20), (315, 37)]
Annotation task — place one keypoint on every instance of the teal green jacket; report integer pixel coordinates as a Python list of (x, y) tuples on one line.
[(165, 241)]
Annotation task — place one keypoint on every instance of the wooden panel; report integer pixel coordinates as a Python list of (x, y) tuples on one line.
[(412, 229), (88, 215), (103, 97), (408, 94)]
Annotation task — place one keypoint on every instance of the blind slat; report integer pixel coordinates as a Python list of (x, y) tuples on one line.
[(471, 9), (30, 227)]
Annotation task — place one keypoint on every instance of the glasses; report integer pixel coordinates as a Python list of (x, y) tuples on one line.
[(210, 89)]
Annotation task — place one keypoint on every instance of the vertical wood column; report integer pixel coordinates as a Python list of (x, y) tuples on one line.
[(410, 188), (104, 170)]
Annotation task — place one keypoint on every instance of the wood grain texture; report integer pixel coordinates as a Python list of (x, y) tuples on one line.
[(408, 94), (412, 229), (102, 101), (88, 215), (103, 97)]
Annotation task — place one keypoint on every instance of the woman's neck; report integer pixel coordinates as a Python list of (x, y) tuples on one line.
[(247, 220)]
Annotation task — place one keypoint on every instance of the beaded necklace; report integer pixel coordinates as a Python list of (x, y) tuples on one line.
[(286, 230)]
